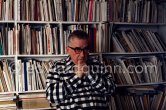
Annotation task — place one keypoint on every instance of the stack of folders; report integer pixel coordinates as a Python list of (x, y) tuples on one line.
[(8, 101), (33, 101), (150, 97), (135, 70), (141, 82), (137, 40)]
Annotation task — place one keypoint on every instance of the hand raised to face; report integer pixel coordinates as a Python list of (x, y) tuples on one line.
[(81, 69)]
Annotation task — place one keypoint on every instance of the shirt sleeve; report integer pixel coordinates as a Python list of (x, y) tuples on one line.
[(58, 89), (101, 80)]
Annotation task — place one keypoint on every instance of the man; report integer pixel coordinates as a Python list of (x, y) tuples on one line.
[(79, 82)]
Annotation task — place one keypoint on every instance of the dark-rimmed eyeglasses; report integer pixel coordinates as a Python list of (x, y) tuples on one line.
[(78, 50)]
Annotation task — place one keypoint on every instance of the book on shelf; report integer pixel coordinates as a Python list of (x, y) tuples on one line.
[(7, 79)]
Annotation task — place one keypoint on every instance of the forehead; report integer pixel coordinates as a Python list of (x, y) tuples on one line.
[(76, 42)]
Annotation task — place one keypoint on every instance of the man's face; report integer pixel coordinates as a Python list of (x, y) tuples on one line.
[(78, 50)]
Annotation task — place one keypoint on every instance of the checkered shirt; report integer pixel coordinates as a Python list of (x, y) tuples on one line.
[(67, 91)]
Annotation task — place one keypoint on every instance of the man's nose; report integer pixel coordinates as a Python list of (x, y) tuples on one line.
[(82, 54)]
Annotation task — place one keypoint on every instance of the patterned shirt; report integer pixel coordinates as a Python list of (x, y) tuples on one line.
[(67, 91)]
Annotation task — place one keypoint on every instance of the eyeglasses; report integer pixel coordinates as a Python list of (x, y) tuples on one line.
[(78, 50)]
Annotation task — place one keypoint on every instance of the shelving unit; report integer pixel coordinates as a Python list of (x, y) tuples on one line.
[(104, 28)]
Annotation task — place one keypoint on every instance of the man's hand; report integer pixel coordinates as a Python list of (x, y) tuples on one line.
[(81, 69)]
